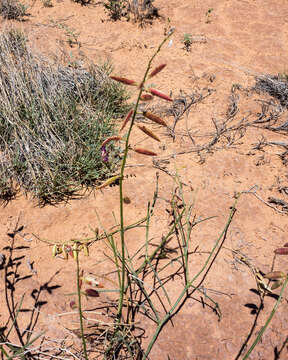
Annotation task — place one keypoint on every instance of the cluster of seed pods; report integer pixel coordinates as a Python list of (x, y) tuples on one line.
[(147, 94)]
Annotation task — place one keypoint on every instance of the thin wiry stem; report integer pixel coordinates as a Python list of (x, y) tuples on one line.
[(80, 306), (261, 332), (122, 229), (189, 284)]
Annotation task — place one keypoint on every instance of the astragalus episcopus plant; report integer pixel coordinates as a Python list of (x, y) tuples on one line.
[(135, 294)]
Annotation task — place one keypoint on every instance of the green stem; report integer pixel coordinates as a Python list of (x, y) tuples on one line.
[(188, 285), (261, 332), (122, 229), (80, 306)]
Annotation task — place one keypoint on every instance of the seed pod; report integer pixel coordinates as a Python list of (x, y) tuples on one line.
[(108, 182), (85, 250), (75, 251), (146, 97), (148, 132), (159, 94), (65, 249), (285, 245), (130, 113), (276, 285), (281, 251), (111, 138), (71, 252), (92, 293), (157, 70), (274, 275), (154, 118), (54, 250), (145, 152), (73, 305), (124, 80)]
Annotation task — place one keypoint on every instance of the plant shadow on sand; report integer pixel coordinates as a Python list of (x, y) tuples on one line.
[(19, 335)]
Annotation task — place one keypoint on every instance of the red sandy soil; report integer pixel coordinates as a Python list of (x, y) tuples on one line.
[(239, 40)]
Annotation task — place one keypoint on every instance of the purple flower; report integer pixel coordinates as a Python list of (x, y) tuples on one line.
[(104, 154)]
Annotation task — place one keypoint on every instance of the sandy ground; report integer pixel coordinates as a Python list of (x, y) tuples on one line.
[(234, 43)]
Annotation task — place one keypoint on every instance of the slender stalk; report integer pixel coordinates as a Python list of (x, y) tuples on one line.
[(261, 332), (122, 229), (3, 351), (188, 285), (80, 306)]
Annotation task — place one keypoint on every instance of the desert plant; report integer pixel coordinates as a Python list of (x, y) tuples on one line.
[(116, 9), (83, 2), (187, 41), (12, 9), (47, 3), (53, 121), (141, 11), (208, 16), (132, 278), (10, 349), (144, 276), (280, 279)]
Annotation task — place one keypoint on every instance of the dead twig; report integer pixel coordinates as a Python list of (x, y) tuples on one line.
[(253, 192)]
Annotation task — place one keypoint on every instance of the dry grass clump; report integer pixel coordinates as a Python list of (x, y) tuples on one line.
[(12, 9), (83, 2), (140, 11), (53, 120), (276, 86)]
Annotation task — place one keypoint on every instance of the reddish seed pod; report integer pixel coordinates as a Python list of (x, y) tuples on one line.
[(157, 70), (73, 305), (92, 293), (285, 245), (146, 97), (159, 94), (111, 138), (145, 152), (154, 118), (148, 132), (281, 251), (128, 116), (124, 80)]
